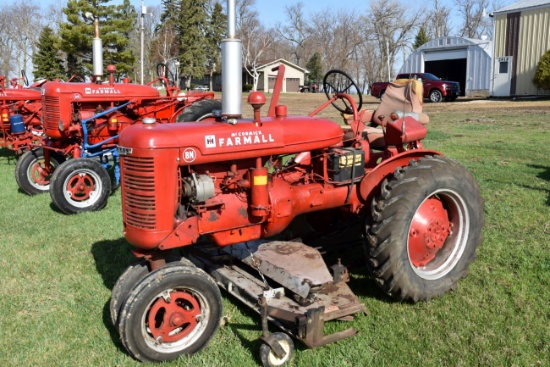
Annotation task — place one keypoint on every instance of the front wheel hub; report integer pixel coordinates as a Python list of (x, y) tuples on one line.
[(175, 318), (429, 229)]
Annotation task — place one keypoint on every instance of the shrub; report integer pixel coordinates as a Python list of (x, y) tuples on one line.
[(542, 74)]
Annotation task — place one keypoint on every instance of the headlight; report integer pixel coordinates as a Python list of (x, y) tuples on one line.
[(61, 125), (444, 86)]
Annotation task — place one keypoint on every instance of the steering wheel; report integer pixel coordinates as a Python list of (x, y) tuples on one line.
[(24, 77), (164, 72), (336, 81)]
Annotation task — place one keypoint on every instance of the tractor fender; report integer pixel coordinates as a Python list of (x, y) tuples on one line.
[(370, 184)]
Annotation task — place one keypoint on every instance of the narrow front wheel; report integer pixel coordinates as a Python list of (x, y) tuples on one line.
[(172, 311), (32, 173), (80, 185)]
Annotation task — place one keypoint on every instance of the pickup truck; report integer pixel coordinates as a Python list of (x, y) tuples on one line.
[(434, 88)]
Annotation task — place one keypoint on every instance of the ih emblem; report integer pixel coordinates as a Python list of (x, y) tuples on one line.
[(210, 141)]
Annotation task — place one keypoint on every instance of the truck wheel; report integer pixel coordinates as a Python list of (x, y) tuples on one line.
[(30, 172), (424, 229), (199, 110), (268, 357), (174, 310), (436, 96), (80, 185)]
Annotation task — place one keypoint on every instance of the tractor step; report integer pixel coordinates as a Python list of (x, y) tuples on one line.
[(236, 269)]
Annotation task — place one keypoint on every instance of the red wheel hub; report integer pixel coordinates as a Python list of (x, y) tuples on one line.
[(80, 186), (173, 318), (430, 228), (40, 174)]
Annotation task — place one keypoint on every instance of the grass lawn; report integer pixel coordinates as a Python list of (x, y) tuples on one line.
[(57, 271)]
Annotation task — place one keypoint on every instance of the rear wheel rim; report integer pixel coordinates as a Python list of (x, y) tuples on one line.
[(440, 238)]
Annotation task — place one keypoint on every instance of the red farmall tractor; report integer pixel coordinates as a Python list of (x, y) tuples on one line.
[(82, 122), (230, 195), (20, 110)]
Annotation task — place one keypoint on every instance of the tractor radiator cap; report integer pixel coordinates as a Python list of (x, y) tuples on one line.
[(149, 121)]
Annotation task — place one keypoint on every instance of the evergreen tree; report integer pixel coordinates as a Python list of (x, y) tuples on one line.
[(421, 38), (47, 62), (542, 73), (315, 67), (215, 33), (193, 44), (115, 25)]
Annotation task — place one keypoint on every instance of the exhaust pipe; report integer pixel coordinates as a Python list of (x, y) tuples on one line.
[(232, 66), (97, 49)]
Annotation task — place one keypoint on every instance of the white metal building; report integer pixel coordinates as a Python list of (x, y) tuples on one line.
[(522, 36), (464, 60)]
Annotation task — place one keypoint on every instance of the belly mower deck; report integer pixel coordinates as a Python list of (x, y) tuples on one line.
[(287, 283)]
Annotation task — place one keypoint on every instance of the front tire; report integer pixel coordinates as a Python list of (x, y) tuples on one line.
[(31, 173), (174, 310), (424, 229), (80, 185), (436, 96)]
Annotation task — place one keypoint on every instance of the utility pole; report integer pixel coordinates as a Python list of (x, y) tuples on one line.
[(143, 12)]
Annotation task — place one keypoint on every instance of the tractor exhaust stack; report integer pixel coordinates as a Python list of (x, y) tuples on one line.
[(232, 66), (97, 49)]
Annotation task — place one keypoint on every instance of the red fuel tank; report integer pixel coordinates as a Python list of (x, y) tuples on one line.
[(211, 141)]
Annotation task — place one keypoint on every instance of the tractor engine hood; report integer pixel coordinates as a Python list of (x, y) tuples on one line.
[(210, 141), (100, 92), (19, 94)]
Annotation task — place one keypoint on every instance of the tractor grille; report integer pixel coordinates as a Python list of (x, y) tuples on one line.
[(138, 180), (51, 113)]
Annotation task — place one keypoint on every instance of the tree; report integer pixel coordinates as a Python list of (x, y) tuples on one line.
[(115, 27), (473, 14), (438, 22), (542, 73), (297, 31), (420, 39), (215, 32), (315, 67), (47, 62), (193, 45), (256, 39), (394, 24)]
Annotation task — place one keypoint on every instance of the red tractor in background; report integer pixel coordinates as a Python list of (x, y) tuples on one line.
[(20, 111), (81, 123), (234, 196)]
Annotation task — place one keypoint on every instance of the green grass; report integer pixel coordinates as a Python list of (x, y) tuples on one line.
[(57, 272)]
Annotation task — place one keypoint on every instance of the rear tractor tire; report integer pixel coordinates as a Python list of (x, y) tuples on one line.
[(424, 229), (31, 174), (172, 311), (80, 185), (200, 110)]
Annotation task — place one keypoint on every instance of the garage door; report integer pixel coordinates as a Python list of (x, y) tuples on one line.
[(445, 55), (292, 84)]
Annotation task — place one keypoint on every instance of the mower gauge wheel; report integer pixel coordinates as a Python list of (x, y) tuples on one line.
[(336, 81), (31, 173), (268, 357), (424, 228), (172, 311), (80, 185)]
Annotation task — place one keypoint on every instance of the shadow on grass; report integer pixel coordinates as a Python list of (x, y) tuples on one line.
[(10, 155), (545, 175)]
